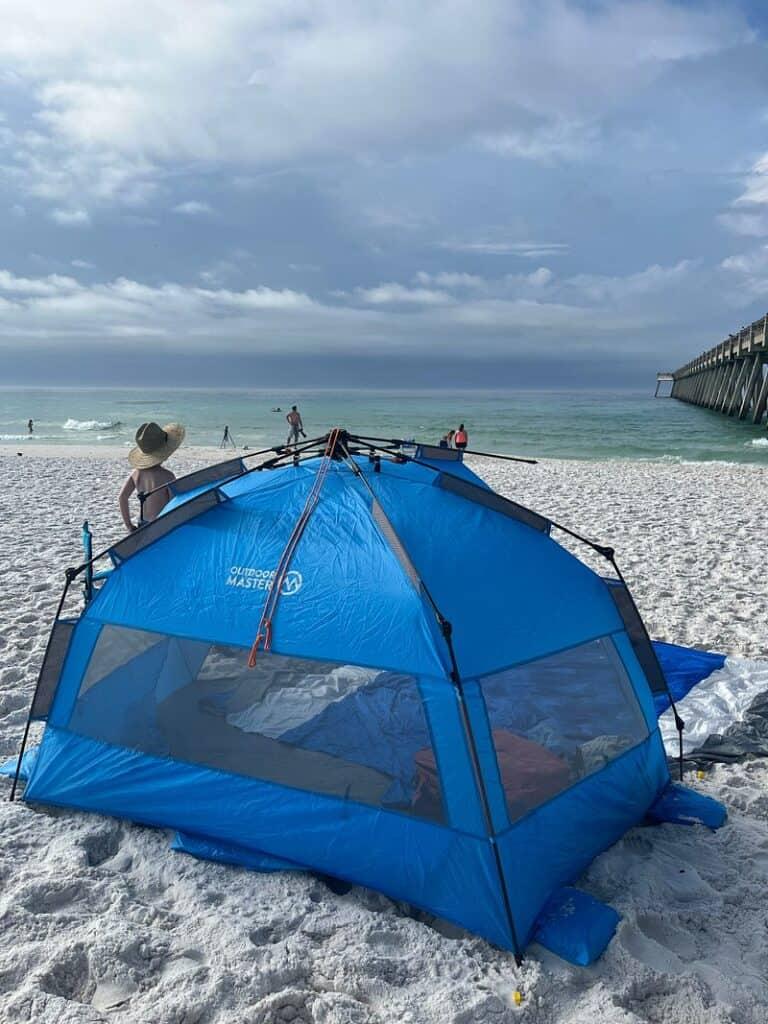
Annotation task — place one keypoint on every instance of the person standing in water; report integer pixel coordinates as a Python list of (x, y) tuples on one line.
[(153, 446), (461, 438), (30, 427), (295, 426)]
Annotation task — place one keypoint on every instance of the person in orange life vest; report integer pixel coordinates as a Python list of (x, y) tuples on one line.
[(461, 438)]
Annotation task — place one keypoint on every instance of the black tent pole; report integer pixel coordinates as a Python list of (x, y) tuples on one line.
[(467, 451), (446, 629), (679, 723), (281, 449)]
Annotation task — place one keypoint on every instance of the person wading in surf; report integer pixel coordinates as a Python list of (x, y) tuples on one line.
[(295, 425), (153, 446)]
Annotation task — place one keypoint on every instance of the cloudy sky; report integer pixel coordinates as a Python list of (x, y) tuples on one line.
[(484, 192)]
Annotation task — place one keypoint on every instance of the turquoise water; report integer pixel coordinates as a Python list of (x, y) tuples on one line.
[(559, 424)]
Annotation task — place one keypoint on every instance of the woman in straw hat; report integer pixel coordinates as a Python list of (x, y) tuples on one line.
[(153, 446)]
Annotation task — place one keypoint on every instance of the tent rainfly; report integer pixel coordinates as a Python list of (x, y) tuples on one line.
[(369, 664)]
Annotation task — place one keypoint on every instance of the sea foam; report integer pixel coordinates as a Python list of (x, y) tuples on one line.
[(72, 424)]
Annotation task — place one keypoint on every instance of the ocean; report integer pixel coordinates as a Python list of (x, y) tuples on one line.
[(547, 424)]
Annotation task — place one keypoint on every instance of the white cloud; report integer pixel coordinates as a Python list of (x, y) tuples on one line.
[(460, 282), (134, 331), (71, 218), (53, 284), (748, 215), (754, 224), (450, 279), (747, 273), (656, 278), (192, 208), (256, 298), (218, 272), (537, 295), (755, 261), (83, 265), (559, 139), (755, 184), (392, 294), (493, 247), (540, 277), (120, 91), (509, 314), (499, 315)]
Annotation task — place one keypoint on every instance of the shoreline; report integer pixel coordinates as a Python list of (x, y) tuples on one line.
[(213, 453)]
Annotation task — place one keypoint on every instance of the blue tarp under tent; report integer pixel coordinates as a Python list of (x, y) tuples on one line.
[(358, 659)]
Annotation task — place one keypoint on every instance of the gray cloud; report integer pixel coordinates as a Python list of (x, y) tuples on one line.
[(117, 95), (192, 208), (71, 218), (403, 179)]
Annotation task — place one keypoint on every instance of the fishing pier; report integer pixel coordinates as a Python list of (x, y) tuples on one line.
[(730, 378)]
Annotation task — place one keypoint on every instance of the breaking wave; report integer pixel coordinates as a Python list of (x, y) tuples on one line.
[(91, 425), (759, 442)]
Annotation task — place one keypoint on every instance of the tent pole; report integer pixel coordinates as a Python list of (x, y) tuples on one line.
[(446, 629), (679, 723), (269, 464), (264, 629), (467, 451), (283, 451)]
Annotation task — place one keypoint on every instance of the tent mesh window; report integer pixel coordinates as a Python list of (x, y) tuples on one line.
[(556, 720), (337, 729)]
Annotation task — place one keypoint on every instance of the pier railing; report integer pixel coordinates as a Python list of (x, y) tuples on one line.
[(731, 378)]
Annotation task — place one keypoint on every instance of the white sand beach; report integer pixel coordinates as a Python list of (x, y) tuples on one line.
[(100, 921)]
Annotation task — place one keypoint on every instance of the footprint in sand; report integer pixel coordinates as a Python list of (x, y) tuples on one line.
[(266, 935), (182, 963), (49, 898), (384, 942), (111, 994), (293, 1006), (661, 931), (102, 846), (68, 977)]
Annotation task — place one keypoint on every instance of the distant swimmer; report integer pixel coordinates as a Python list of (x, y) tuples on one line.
[(295, 425), (30, 426), (154, 444), (277, 409), (461, 438)]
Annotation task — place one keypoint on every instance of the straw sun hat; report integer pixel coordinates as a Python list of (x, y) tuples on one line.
[(154, 444)]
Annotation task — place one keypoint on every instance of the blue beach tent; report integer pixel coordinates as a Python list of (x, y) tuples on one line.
[(444, 704)]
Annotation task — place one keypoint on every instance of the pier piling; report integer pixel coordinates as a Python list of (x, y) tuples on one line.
[(731, 378)]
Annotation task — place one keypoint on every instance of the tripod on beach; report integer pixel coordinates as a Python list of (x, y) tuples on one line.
[(227, 440)]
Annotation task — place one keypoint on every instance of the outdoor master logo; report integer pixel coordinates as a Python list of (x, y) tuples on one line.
[(248, 578)]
